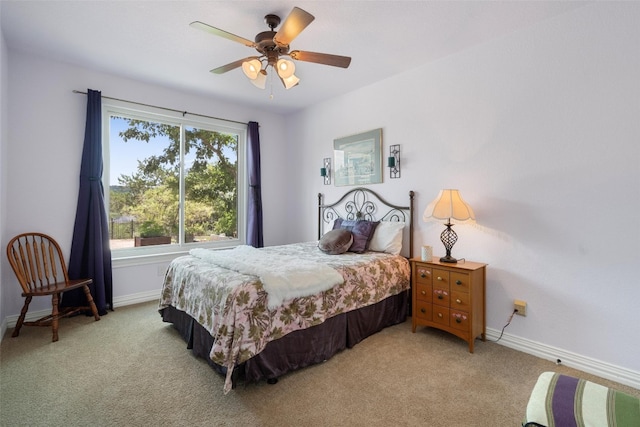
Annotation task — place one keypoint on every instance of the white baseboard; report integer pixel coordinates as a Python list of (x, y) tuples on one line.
[(567, 358), (136, 298), (10, 321)]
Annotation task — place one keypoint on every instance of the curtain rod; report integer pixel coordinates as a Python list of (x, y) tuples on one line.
[(184, 113)]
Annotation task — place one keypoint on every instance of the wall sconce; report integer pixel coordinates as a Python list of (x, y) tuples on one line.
[(394, 161), (325, 170)]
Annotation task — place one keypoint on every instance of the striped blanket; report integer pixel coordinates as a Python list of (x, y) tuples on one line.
[(562, 401)]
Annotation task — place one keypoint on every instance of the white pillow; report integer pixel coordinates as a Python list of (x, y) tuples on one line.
[(387, 237)]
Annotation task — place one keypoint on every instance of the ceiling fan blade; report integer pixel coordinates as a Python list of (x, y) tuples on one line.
[(321, 58), (218, 32), (293, 25), (232, 65)]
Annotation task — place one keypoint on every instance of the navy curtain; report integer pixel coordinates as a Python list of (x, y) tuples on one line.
[(90, 251), (254, 211)]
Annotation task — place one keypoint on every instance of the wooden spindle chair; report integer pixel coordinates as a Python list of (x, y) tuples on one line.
[(38, 263)]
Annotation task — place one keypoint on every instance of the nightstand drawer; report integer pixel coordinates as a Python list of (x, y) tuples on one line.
[(460, 300), (423, 310), (441, 297), (460, 282), (423, 274), (460, 320), (423, 292), (441, 315), (440, 278)]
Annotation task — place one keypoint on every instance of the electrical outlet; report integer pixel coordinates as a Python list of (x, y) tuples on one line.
[(521, 306)]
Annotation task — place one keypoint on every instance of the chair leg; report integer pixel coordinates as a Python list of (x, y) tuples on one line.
[(23, 313), (92, 304), (55, 301)]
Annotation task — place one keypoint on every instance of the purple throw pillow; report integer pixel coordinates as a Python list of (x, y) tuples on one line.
[(362, 231)]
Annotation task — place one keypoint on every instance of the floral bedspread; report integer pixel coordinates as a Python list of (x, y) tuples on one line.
[(233, 306)]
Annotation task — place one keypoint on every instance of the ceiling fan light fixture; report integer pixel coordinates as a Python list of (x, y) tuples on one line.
[(290, 81), (285, 68), (261, 80), (252, 68)]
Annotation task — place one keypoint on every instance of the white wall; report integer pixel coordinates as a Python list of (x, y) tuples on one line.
[(45, 146), (540, 132)]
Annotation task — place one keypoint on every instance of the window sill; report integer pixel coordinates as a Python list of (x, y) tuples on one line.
[(119, 261), (129, 258)]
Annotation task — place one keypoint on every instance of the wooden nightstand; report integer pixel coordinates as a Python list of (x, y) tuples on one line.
[(450, 297)]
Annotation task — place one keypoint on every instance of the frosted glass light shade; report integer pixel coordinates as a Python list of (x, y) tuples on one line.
[(290, 82), (449, 205), (252, 68), (261, 80), (285, 68)]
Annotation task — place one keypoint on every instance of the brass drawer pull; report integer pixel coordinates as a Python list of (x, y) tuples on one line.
[(458, 301), (423, 292), (439, 278), (440, 315)]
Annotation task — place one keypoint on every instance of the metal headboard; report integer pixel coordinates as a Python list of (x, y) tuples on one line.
[(362, 203)]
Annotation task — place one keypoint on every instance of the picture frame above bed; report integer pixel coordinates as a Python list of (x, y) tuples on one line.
[(358, 159)]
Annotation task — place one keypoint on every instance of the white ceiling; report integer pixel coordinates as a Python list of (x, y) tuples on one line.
[(152, 40)]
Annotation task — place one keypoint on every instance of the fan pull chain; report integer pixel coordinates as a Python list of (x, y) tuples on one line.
[(271, 86)]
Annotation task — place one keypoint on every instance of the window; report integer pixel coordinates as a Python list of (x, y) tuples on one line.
[(173, 182)]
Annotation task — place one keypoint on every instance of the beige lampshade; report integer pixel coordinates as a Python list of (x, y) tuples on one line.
[(449, 205)]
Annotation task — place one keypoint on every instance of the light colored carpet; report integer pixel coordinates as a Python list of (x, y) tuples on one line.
[(131, 369)]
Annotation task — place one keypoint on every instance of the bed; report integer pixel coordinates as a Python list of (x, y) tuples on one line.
[(233, 314)]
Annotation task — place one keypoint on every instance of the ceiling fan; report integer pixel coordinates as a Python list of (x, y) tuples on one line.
[(274, 48)]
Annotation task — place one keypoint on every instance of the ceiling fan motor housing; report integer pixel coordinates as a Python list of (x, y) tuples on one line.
[(268, 47)]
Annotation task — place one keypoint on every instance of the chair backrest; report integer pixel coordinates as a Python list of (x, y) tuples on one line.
[(37, 260)]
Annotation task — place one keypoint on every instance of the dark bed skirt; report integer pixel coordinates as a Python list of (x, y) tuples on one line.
[(300, 348)]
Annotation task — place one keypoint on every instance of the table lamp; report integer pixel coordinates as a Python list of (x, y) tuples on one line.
[(447, 206)]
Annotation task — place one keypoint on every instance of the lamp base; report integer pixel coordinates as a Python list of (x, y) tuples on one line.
[(448, 259), (448, 238)]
